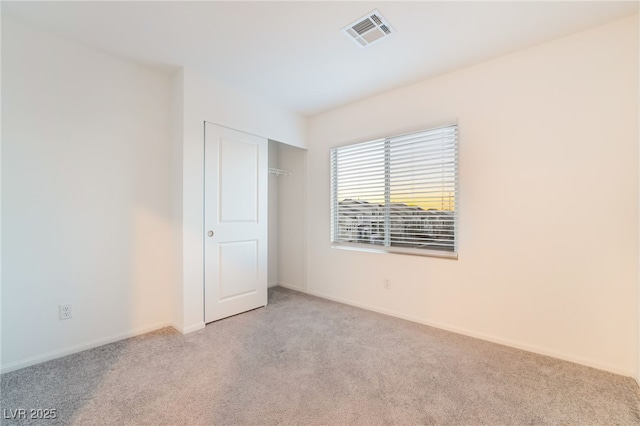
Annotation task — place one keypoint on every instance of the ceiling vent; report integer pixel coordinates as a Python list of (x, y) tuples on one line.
[(369, 29)]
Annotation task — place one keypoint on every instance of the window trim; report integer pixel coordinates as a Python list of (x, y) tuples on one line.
[(374, 248)]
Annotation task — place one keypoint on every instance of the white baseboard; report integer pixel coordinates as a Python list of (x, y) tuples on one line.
[(293, 287), (190, 328), (37, 359), (458, 330)]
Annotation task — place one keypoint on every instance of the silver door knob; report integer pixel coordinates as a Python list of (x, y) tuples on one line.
[(210, 233)]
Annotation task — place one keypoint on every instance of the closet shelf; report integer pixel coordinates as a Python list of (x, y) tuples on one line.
[(279, 172)]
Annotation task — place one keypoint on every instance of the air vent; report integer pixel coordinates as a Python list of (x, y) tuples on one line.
[(369, 29)]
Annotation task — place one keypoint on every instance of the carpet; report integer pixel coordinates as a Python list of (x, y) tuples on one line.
[(303, 360)]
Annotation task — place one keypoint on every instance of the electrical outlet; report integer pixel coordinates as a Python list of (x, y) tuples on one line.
[(386, 283), (65, 312)]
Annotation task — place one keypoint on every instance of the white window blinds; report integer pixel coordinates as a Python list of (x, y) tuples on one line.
[(398, 192)]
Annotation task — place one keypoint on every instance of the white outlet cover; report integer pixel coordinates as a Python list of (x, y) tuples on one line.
[(65, 312)]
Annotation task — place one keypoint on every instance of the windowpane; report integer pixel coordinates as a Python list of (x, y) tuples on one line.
[(360, 190), (397, 192), (422, 187)]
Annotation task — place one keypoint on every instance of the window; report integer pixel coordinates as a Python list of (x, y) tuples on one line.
[(397, 194)]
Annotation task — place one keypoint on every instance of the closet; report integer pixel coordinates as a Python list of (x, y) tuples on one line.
[(287, 203)]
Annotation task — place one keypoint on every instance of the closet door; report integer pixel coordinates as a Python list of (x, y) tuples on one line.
[(235, 224)]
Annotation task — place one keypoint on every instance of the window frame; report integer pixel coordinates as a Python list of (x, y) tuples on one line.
[(376, 248)]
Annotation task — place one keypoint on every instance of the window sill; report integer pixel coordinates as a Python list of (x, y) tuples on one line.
[(369, 248)]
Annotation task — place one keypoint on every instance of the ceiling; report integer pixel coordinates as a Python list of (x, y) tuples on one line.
[(293, 53)]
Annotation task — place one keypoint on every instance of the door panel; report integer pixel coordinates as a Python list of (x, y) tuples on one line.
[(238, 181), (235, 225), (238, 268)]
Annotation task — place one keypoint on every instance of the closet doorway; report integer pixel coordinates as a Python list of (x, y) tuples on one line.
[(287, 216)]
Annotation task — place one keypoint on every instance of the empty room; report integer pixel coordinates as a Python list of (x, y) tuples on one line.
[(320, 213)]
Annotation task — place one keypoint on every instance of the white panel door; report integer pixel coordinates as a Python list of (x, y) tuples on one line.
[(235, 222)]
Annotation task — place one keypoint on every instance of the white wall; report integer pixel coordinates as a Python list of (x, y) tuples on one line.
[(292, 203), (208, 100), (0, 189), (177, 131), (86, 212), (548, 257), (272, 274)]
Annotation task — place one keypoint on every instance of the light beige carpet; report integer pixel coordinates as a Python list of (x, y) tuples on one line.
[(308, 361)]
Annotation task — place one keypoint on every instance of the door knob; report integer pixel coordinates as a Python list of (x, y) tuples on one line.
[(210, 233)]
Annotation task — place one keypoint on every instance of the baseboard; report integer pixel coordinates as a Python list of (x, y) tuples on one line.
[(293, 287), (190, 328), (37, 359), (458, 330)]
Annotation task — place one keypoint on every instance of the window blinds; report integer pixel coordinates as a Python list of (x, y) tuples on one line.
[(398, 192)]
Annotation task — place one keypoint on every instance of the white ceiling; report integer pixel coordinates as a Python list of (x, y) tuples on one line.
[(294, 54)]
